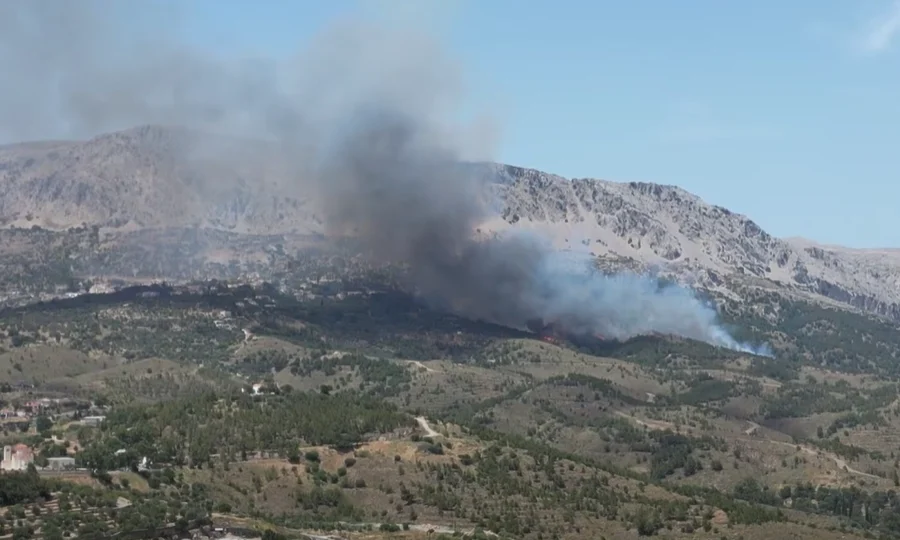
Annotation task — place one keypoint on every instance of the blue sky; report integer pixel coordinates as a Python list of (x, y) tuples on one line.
[(787, 111)]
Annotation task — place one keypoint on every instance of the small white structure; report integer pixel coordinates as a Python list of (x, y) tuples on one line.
[(255, 389), (60, 463)]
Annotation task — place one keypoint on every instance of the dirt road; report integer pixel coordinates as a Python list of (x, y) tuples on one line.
[(421, 365), (426, 427), (839, 461), (808, 450)]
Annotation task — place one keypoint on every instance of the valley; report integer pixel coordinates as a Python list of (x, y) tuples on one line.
[(284, 409)]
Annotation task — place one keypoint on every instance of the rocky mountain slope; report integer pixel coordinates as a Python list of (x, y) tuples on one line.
[(151, 177), (665, 226)]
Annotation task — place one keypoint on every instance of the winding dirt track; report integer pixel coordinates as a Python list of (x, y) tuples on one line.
[(839, 461), (426, 427)]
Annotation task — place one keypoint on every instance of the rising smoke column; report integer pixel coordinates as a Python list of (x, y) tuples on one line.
[(366, 117), (393, 186)]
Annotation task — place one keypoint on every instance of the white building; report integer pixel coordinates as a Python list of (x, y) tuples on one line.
[(16, 458)]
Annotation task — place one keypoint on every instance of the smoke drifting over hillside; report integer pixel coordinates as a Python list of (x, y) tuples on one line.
[(365, 115)]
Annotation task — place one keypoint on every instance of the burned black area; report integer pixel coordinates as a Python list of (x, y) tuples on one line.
[(366, 313), (349, 315)]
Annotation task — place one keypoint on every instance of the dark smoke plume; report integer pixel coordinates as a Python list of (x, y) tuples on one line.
[(365, 116)]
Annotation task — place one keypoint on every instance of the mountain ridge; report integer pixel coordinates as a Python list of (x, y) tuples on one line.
[(158, 177)]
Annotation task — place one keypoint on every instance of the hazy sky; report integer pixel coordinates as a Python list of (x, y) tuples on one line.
[(787, 111)]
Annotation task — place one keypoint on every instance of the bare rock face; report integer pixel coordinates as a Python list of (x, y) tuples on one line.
[(665, 226), (156, 177)]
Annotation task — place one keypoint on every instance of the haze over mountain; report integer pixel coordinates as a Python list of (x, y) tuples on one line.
[(158, 177), (376, 154)]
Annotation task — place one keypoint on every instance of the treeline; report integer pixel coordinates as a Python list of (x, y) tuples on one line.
[(379, 376), (668, 452), (263, 362), (834, 338), (512, 492), (23, 487), (705, 389), (592, 494), (192, 430), (600, 387), (879, 510), (799, 400), (89, 512), (660, 351)]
